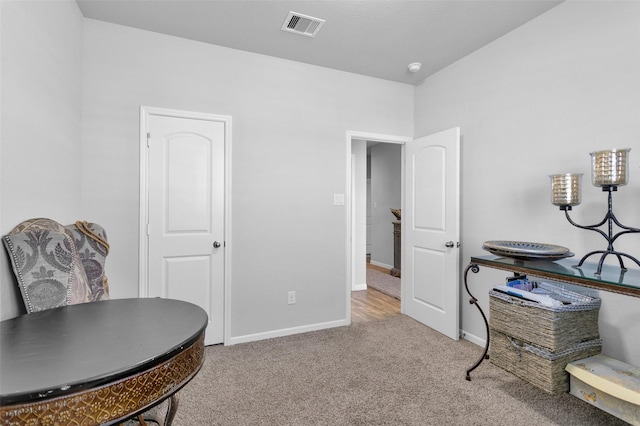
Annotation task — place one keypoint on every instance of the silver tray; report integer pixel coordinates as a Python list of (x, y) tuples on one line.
[(527, 250)]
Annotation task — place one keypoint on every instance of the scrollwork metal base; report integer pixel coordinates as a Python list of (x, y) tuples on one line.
[(610, 219), (475, 269)]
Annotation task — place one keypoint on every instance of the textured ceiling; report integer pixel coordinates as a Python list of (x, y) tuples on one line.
[(377, 38)]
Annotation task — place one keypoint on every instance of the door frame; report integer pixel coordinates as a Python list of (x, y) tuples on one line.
[(350, 217), (143, 249)]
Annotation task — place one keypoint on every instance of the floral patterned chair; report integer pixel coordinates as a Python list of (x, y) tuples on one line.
[(47, 266)]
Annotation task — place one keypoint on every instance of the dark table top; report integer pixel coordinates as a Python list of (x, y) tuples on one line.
[(63, 350)]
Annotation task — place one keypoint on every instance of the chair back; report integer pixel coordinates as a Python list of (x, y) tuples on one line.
[(49, 268)]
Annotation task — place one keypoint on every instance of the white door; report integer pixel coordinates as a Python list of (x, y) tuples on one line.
[(430, 231), (186, 214)]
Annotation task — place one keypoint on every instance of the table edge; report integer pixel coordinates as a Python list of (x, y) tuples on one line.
[(585, 282), (116, 401)]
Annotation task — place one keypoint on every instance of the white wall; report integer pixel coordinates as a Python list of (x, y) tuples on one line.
[(534, 103), (41, 131), (359, 223), (386, 189), (288, 161)]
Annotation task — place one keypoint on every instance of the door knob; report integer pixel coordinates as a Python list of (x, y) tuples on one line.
[(216, 244), (449, 244)]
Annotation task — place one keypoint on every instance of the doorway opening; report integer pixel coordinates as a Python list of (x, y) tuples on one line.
[(361, 242)]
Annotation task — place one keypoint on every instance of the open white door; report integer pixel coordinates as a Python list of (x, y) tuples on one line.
[(430, 231)]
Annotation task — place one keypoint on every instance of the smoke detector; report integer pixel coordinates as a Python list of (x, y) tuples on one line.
[(415, 66), (298, 23)]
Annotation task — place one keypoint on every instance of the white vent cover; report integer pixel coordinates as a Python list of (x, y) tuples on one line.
[(302, 24)]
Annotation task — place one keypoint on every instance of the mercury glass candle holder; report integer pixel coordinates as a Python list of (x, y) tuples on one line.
[(566, 190), (609, 167), (609, 170)]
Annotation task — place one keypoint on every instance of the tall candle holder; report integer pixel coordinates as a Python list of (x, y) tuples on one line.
[(608, 171)]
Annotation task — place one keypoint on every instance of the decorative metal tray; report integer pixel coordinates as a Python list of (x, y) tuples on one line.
[(526, 250)]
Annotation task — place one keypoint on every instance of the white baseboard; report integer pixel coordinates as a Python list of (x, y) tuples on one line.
[(286, 332), (380, 264), (357, 287), (473, 339)]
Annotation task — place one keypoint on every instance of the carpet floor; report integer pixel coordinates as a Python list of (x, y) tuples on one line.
[(384, 283), (387, 372)]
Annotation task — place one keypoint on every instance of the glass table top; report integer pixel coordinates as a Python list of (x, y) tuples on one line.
[(612, 277)]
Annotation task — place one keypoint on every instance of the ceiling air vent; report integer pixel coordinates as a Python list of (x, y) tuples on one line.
[(302, 24)]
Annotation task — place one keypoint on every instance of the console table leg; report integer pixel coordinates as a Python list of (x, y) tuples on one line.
[(474, 268)]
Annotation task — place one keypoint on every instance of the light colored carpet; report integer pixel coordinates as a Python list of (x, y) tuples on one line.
[(387, 372), (384, 283)]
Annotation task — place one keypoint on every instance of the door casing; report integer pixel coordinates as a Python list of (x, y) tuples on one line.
[(351, 228), (143, 250)]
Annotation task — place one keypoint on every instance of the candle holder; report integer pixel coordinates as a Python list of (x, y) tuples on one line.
[(566, 190), (608, 171)]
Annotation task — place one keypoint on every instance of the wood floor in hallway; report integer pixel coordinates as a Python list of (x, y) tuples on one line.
[(370, 304)]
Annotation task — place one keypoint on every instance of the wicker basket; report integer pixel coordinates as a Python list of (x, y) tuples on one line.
[(541, 368), (553, 329)]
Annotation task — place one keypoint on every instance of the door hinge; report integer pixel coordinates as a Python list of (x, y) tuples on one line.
[(148, 229), (148, 138)]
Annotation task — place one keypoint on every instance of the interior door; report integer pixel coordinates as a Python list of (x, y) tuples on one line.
[(430, 231), (186, 214)]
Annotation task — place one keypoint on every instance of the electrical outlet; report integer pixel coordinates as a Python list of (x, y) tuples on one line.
[(291, 297)]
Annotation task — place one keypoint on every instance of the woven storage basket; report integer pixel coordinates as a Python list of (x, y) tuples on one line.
[(541, 368), (553, 329)]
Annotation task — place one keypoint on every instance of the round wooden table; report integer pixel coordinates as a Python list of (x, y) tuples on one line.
[(97, 363)]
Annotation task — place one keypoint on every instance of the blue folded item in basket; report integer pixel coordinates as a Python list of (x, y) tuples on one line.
[(543, 299), (521, 284)]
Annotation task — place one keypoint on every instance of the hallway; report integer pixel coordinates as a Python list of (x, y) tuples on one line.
[(370, 304)]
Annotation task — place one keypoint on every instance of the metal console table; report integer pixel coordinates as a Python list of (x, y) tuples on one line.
[(612, 278)]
